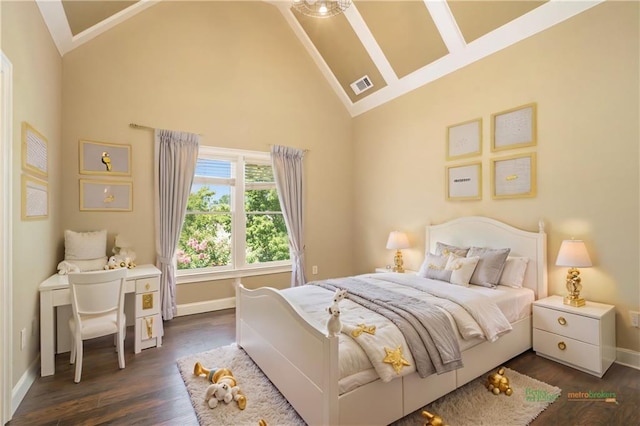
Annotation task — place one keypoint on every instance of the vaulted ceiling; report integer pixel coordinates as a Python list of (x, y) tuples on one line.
[(397, 45)]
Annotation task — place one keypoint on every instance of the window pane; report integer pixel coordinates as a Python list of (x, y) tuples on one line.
[(267, 239), (205, 241), (209, 198), (258, 173), (213, 168), (261, 200)]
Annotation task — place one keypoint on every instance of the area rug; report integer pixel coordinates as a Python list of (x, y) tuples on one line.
[(472, 404)]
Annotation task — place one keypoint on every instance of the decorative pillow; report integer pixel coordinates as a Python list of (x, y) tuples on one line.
[(461, 269), (85, 245), (443, 249), (490, 265), (434, 267), (89, 264), (514, 270)]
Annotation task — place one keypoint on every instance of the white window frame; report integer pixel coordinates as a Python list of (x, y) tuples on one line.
[(239, 267)]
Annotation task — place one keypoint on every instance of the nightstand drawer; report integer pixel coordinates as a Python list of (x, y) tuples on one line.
[(567, 324), (575, 352)]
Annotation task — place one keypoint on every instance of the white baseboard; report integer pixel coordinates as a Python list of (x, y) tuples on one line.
[(628, 358), (24, 384), (206, 306)]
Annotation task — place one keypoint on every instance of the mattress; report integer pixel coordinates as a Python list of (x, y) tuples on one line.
[(355, 367)]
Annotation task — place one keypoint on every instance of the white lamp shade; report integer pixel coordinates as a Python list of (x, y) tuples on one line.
[(573, 253), (397, 240)]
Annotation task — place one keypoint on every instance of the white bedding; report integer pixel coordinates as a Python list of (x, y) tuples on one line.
[(355, 367)]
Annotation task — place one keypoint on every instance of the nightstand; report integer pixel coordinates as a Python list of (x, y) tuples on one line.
[(406, 271), (581, 337)]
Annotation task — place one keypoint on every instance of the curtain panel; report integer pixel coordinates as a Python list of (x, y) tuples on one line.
[(176, 154), (288, 174)]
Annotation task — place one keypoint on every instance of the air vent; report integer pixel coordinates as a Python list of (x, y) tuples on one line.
[(361, 85)]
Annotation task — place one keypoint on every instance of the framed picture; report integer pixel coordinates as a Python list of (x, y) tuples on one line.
[(514, 176), (100, 158), (35, 198), (464, 139), (464, 182), (514, 128), (34, 151), (98, 195)]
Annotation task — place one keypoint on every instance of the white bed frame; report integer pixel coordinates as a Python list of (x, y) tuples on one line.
[(303, 363)]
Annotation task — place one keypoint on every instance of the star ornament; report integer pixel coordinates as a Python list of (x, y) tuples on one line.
[(394, 357)]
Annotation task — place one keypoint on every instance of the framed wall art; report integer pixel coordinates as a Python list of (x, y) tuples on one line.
[(101, 158), (514, 176), (464, 139), (98, 195), (464, 182), (514, 128), (35, 198), (35, 151)]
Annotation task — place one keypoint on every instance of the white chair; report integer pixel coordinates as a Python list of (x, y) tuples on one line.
[(97, 300)]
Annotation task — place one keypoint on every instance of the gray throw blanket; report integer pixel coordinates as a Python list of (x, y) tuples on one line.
[(427, 330)]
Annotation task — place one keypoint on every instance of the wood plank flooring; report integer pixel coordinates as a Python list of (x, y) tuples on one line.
[(150, 391)]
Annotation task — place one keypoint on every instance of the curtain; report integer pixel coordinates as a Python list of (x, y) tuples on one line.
[(287, 171), (176, 154)]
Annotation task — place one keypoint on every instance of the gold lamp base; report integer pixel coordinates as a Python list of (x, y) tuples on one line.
[(398, 262), (577, 302)]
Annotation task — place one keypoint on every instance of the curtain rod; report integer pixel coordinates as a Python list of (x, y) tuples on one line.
[(304, 149), (140, 126)]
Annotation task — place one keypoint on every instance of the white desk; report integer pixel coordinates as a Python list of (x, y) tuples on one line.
[(54, 292)]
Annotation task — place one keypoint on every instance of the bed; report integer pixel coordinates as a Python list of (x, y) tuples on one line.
[(292, 348)]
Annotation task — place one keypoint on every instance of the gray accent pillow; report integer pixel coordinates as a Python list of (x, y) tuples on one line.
[(490, 265), (434, 267), (443, 249)]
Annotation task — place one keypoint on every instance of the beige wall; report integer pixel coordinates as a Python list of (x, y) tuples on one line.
[(232, 71), (583, 74), (37, 74)]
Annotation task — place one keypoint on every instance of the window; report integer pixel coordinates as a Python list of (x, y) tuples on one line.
[(233, 220)]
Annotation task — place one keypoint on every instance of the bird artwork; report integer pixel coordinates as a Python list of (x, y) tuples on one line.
[(106, 160)]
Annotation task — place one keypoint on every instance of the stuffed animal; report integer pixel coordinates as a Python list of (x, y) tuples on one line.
[(224, 377), (433, 419), (124, 253), (498, 382), (339, 295), (65, 268), (334, 325), (112, 263)]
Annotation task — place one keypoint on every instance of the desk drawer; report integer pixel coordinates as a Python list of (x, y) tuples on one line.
[(147, 304), (575, 352), (148, 284), (566, 324)]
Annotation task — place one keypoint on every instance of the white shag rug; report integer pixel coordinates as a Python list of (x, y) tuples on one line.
[(472, 404)]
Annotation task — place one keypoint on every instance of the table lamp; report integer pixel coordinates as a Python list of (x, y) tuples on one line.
[(573, 253), (397, 241)]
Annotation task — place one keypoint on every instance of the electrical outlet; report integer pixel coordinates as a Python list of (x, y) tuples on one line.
[(23, 338), (314, 270), (635, 318)]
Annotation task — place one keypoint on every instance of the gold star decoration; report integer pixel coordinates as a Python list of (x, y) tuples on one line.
[(394, 357), (363, 328)]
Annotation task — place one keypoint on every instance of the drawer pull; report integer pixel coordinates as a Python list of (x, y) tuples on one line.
[(147, 286), (562, 321), (562, 346)]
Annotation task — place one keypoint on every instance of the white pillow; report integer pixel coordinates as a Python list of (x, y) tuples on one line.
[(514, 270), (461, 269), (85, 245), (434, 267), (89, 264)]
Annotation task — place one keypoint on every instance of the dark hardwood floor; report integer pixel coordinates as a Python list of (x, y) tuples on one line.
[(150, 391)]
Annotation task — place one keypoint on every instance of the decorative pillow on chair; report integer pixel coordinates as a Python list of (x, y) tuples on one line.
[(461, 269), (514, 270), (434, 267), (86, 265), (490, 265), (443, 249), (85, 245)]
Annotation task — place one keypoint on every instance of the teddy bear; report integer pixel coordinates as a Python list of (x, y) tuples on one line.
[(123, 252), (224, 386), (432, 419), (498, 382)]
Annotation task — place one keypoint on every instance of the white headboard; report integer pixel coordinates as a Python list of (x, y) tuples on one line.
[(485, 232)]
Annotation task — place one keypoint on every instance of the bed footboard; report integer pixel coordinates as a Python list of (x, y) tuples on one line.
[(296, 355)]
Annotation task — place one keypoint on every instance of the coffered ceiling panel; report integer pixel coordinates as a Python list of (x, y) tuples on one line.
[(476, 18), (342, 51), (400, 45), (405, 32)]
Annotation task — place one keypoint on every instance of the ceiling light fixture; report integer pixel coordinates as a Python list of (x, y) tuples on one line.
[(320, 8)]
